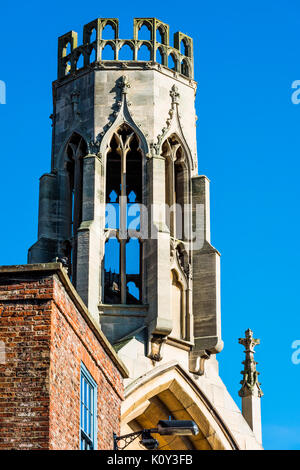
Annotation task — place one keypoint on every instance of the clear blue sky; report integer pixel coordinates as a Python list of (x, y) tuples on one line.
[(246, 58)]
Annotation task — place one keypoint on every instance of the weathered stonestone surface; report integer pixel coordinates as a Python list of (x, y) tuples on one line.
[(47, 334), (206, 278)]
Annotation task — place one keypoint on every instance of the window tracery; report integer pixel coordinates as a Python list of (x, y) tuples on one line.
[(123, 197)]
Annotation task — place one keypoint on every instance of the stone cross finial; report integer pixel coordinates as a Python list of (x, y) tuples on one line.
[(250, 383)]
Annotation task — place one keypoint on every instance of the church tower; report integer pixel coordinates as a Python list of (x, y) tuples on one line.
[(126, 212)]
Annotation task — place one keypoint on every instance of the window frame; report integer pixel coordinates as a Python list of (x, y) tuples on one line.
[(85, 374), (122, 147)]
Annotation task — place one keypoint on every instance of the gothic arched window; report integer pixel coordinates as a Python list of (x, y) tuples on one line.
[(176, 187), (75, 150), (123, 198)]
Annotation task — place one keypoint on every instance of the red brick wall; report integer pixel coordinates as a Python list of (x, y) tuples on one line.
[(73, 342), (46, 338)]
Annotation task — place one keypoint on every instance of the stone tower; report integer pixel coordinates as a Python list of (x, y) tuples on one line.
[(126, 212)]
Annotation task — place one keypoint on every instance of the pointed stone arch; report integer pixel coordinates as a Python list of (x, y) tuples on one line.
[(115, 126), (177, 181), (169, 391), (125, 174), (123, 116), (77, 134), (175, 133), (70, 177)]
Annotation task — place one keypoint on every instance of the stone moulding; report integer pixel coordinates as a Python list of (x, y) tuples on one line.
[(168, 375), (120, 115), (173, 125)]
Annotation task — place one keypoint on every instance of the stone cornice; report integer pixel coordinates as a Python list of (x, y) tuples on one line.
[(115, 66)]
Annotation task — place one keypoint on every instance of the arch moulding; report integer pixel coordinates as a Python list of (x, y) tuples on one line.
[(182, 398)]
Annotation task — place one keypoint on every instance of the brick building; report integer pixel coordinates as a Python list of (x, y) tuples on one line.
[(50, 339)]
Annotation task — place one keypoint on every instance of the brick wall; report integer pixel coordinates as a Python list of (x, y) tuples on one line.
[(47, 333)]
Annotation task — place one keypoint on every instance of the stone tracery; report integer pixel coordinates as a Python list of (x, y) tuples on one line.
[(124, 178), (94, 44)]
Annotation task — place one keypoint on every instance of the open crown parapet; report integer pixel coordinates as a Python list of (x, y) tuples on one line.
[(69, 53)]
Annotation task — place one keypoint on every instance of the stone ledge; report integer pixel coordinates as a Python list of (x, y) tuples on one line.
[(130, 66), (123, 310)]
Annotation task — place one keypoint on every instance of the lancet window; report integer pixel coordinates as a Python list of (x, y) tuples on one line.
[(123, 249), (75, 151), (176, 184)]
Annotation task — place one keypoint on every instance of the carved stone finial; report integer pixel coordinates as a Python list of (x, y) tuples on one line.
[(94, 146), (155, 147), (250, 383), (124, 84), (174, 95)]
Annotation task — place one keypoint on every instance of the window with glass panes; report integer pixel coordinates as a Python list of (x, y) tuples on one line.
[(88, 411), (124, 189)]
